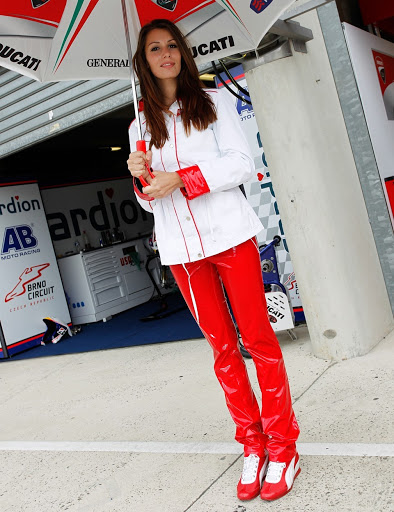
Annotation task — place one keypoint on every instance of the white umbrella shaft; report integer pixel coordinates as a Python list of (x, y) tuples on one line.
[(132, 75)]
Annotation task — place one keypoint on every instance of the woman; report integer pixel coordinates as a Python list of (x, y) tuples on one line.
[(206, 231)]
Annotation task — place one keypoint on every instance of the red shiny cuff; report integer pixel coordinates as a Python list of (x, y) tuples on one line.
[(194, 181), (141, 194)]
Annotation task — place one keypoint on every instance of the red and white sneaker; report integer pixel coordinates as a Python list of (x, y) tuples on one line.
[(253, 473), (280, 478)]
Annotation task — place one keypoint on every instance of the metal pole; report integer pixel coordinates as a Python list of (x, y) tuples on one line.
[(3, 343), (132, 75)]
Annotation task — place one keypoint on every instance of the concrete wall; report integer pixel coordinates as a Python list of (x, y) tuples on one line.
[(321, 201)]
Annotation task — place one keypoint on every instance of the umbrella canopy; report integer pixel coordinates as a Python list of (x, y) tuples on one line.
[(54, 40)]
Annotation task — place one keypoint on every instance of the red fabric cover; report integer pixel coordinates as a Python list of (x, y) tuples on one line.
[(194, 181), (377, 10)]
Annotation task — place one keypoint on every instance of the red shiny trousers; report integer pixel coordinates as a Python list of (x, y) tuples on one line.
[(275, 427)]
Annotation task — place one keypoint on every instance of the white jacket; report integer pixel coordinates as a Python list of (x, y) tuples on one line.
[(211, 214)]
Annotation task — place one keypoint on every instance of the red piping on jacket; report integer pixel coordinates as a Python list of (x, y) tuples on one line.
[(177, 159), (176, 213), (195, 225)]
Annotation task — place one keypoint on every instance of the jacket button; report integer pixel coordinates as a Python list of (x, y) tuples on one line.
[(187, 218)]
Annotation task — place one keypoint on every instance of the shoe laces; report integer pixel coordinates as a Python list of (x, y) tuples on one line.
[(274, 472), (251, 464)]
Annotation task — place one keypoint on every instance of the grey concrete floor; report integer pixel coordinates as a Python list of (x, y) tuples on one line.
[(146, 429)]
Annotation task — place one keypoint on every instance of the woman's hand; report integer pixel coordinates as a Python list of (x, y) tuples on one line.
[(163, 184), (137, 164)]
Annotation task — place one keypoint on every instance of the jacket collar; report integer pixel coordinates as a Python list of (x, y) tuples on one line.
[(175, 108)]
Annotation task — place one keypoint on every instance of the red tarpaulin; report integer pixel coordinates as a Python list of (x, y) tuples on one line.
[(379, 13), (377, 10)]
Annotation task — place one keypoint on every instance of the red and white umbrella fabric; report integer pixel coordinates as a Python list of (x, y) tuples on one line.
[(54, 40)]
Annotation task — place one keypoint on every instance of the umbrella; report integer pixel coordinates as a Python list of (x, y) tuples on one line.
[(54, 40)]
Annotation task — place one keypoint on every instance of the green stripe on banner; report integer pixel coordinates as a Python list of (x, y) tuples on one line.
[(73, 19), (231, 9)]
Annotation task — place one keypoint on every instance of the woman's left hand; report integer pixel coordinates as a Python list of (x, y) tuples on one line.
[(163, 184)]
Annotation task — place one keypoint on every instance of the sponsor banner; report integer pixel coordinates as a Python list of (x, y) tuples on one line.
[(23, 56), (279, 312), (389, 182), (94, 208), (30, 284), (213, 46), (107, 63), (385, 69), (373, 64), (261, 195), (18, 57), (258, 6)]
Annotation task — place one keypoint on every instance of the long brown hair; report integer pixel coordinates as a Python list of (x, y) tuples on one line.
[(197, 107)]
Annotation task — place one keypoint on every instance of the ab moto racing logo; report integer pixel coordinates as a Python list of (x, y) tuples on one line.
[(258, 6), (245, 108), (18, 241)]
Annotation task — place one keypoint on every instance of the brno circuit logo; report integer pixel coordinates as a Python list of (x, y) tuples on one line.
[(258, 6), (18, 238), (28, 275)]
